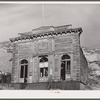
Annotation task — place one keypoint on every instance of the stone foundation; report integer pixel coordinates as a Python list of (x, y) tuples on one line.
[(69, 85)]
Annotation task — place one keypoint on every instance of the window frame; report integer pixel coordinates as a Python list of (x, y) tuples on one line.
[(44, 73)]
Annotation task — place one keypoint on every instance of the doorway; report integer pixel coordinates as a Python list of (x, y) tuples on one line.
[(43, 68), (24, 71), (63, 70), (65, 67)]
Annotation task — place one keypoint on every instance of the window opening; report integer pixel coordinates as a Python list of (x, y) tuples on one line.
[(65, 67), (24, 69), (43, 65)]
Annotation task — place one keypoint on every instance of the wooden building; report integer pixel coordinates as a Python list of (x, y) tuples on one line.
[(49, 55)]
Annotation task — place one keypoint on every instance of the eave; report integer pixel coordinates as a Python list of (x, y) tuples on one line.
[(50, 33)]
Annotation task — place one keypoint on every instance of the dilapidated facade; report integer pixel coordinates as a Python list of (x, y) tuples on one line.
[(49, 54)]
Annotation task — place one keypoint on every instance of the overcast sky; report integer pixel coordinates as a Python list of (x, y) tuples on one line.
[(17, 18)]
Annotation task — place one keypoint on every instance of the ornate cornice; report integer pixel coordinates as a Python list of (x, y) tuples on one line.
[(50, 33)]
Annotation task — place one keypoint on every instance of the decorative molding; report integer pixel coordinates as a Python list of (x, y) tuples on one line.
[(51, 33)]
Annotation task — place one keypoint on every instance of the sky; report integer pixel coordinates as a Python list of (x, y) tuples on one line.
[(19, 18)]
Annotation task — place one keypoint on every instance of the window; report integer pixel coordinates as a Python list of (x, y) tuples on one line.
[(24, 69), (68, 67), (43, 65), (65, 67)]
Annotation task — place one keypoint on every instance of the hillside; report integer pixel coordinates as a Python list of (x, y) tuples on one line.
[(93, 58), (5, 56)]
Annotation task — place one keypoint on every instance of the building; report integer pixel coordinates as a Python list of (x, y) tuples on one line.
[(49, 55)]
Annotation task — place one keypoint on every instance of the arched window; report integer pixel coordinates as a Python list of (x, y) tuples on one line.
[(65, 67), (24, 61), (24, 69), (43, 65), (64, 57)]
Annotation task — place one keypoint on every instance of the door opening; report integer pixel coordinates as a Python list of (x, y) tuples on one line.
[(65, 67), (63, 70), (24, 71)]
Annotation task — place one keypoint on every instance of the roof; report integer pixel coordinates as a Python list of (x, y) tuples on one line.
[(45, 31), (25, 33), (43, 28)]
